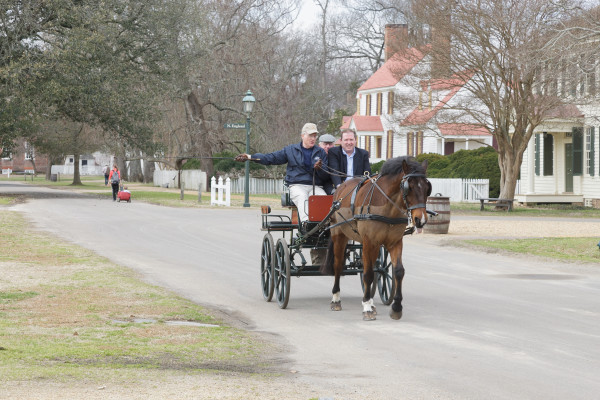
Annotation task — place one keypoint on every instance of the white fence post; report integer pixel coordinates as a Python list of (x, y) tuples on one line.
[(213, 188), (219, 188), (228, 192)]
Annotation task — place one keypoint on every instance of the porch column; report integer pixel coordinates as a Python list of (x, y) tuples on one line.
[(531, 166)]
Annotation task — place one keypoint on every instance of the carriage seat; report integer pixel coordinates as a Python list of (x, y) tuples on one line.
[(286, 201)]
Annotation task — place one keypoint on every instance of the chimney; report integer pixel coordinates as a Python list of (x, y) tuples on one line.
[(440, 47), (395, 39)]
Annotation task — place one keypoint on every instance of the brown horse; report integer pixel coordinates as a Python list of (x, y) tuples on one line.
[(376, 211)]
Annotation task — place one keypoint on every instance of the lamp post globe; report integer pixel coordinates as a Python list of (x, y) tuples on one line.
[(248, 105)]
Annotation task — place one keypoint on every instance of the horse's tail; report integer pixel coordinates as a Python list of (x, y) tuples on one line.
[(327, 266)]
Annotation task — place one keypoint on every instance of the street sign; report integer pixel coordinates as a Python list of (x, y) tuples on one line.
[(234, 125)]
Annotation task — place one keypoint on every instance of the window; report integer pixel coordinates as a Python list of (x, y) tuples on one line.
[(577, 151), (29, 151), (368, 109), (378, 141), (379, 103), (390, 102), (84, 162), (548, 155), (390, 144), (590, 138)]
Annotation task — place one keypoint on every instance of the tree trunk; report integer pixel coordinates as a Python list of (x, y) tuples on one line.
[(135, 171), (76, 175), (510, 167), (149, 171)]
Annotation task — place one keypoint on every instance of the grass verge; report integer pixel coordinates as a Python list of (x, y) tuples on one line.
[(573, 249), (68, 314)]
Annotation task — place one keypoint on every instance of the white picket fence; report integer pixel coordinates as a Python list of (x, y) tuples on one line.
[(217, 190), (258, 185), (461, 190)]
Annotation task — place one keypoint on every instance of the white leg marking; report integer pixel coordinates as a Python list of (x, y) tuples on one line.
[(336, 297), (367, 305)]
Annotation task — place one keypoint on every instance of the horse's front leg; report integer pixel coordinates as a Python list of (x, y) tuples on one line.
[(396, 255), (370, 254)]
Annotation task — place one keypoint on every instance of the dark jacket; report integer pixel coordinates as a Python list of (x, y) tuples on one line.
[(296, 172), (338, 162)]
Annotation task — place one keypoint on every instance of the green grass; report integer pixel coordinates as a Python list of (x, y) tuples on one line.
[(565, 249), (60, 307), (546, 210)]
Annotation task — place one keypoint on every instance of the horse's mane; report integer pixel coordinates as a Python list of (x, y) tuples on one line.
[(393, 166)]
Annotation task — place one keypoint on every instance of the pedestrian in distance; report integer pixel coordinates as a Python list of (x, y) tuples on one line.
[(106, 172), (115, 180)]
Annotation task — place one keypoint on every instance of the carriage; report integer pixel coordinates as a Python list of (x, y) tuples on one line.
[(283, 259), (360, 227)]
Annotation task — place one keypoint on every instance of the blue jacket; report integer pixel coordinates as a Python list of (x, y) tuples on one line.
[(296, 172), (338, 162)]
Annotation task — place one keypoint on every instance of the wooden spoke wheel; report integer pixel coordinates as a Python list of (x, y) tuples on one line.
[(281, 273), (386, 284), (267, 257)]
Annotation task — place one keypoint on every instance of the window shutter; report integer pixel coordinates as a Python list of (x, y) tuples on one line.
[(368, 110), (548, 155), (592, 165), (390, 144), (577, 151), (390, 102), (379, 103), (537, 154)]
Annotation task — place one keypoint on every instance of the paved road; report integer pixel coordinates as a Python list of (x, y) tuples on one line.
[(475, 326)]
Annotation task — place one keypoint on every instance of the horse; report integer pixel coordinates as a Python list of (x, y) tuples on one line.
[(376, 211)]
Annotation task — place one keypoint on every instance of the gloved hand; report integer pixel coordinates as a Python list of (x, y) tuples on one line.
[(242, 157), (318, 165)]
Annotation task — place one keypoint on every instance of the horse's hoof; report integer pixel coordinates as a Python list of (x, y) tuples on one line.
[(374, 310), (395, 314), (369, 316), (336, 306)]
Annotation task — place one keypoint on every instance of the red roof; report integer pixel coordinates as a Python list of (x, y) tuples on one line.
[(366, 123), (564, 111), (453, 84), (395, 68), (346, 122), (463, 130)]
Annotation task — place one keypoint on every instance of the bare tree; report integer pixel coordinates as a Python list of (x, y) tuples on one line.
[(503, 50)]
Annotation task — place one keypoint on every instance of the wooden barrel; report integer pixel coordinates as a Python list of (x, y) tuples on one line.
[(441, 222)]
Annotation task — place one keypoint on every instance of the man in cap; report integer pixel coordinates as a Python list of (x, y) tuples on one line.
[(326, 142), (348, 159), (305, 162)]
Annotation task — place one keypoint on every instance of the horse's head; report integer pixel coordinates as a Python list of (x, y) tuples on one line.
[(415, 189)]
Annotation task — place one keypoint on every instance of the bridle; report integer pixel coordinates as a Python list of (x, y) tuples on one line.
[(405, 187)]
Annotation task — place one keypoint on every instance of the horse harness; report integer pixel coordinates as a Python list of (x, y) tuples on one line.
[(405, 187)]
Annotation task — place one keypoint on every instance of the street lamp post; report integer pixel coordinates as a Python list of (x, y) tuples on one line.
[(248, 102)]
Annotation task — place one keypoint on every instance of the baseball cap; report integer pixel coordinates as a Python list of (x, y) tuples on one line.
[(309, 128), (327, 138)]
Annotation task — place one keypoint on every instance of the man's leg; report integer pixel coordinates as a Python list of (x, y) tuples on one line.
[(299, 195)]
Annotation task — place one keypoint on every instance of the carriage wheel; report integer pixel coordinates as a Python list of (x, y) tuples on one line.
[(385, 277), (281, 273), (267, 255)]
